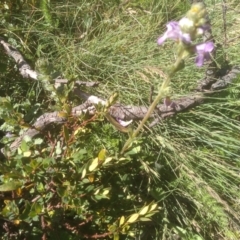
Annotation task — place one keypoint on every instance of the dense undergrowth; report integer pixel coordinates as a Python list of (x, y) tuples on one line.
[(179, 180)]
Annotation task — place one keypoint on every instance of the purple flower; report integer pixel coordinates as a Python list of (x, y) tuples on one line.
[(174, 32), (203, 51), (186, 31)]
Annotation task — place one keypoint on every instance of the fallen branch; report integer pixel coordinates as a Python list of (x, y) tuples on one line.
[(27, 72), (208, 84)]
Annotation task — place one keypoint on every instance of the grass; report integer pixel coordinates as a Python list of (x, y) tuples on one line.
[(191, 160)]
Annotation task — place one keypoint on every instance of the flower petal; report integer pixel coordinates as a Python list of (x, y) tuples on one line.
[(173, 32), (199, 60), (203, 51)]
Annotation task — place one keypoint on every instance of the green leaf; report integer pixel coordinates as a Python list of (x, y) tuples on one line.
[(93, 165), (27, 139), (38, 141), (24, 146), (84, 172), (122, 220), (40, 187), (112, 228), (133, 218), (27, 154), (153, 207), (58, 148), (10, 186), (116, 236), (180, 230), (144, 210), (144, 219), (102, 155), (125, 229), (11, 210), (134, 151), (65, 133), (46, 162), (26, 211), (35, 209), (5, 103), (150, 214), (106, 192), (61, 191), (108, 159)]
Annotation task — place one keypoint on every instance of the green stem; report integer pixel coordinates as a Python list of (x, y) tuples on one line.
[(148, 114)]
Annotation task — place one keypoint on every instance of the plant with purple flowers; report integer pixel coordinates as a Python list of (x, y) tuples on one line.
[(194, 24), (184, 32)]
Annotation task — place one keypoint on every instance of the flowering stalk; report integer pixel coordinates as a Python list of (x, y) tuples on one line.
[(148, 114), (187, 30)]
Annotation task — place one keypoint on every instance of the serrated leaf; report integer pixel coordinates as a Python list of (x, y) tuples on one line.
[(133, 218), (144, 210), (10, 186), (93, 165), (122, 220)]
